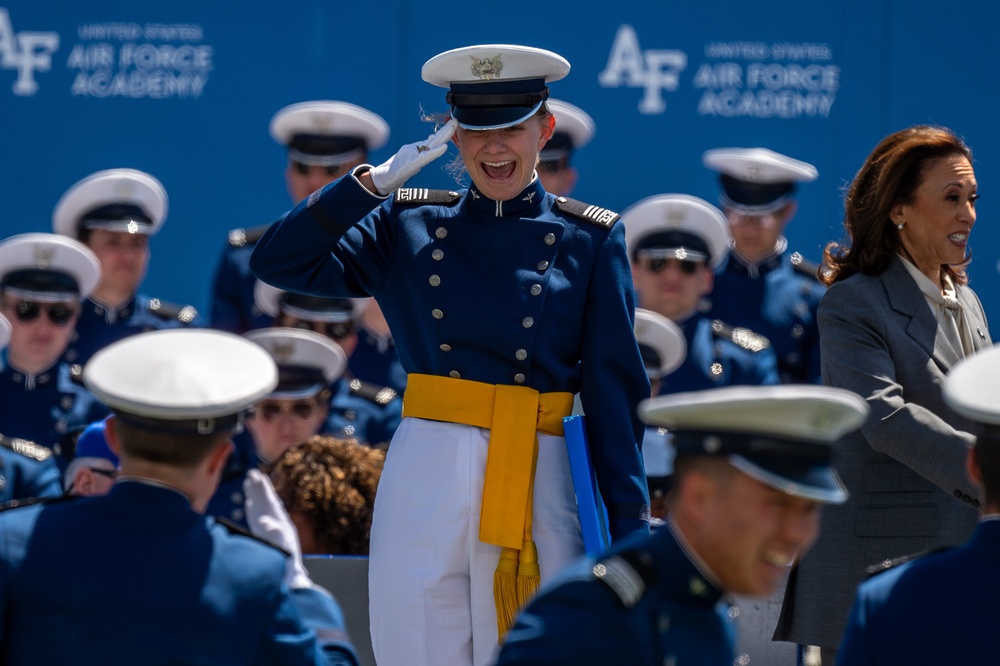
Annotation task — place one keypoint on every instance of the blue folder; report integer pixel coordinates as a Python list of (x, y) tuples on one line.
[(589, 505)]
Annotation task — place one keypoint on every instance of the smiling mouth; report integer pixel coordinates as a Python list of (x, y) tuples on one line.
[(779, 560), (499, 170), (958, 238)]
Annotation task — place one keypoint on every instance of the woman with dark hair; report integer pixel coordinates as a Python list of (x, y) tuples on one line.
[(897, 316)]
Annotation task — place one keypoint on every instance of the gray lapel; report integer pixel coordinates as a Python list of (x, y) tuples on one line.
[(906, 298), (975, 316)]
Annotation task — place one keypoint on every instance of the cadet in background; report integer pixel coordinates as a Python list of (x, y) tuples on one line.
[(115, 213), (43, 278), (675, 242), (764, 286), (574, 129)]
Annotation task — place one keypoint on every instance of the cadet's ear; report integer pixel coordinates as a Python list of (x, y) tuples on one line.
[(111, 434), (972, 467)]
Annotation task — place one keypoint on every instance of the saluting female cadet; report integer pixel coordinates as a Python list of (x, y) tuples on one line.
[(505, 301)]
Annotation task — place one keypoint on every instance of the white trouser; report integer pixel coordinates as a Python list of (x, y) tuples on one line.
[(430, 578)]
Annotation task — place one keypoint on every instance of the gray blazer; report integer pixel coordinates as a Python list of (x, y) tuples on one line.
[(905, 468)]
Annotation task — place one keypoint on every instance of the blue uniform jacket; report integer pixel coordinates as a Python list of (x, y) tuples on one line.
[(938, 609), (27, 470), (777, 299), (233, 308), (228, 501), (150, 581), (515, 292), (44, 406), (714, 359), (375, 360), (98, 325), (592, 614), (363, 411)]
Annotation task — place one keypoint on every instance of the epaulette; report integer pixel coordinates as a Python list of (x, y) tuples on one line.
[(31, 501), (418, 196), (627, 574), (244, 237), (743, 337), (26, 448), (803, 266), (380, 395), (185, 314), (235, 528), (594, 214), (887, 564)]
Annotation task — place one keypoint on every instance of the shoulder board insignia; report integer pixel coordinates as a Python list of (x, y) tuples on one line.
[(627, 574), (594, 214), (416, 196), (380, 395), (185, 314), (239, 530), (804, 267), (31, 501), (26, 448), (887, 564), (244, 237), (743, 337)]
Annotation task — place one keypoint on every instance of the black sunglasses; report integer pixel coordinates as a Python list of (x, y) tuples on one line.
[(304, 169), (110, 473), (300, 411), (334, 329), (686, 266), (59, 314)]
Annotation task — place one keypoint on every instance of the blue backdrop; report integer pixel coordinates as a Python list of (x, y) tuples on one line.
[(185, 90)]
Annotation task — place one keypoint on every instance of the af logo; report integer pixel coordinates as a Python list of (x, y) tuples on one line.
[(26, 52), (653, 70)]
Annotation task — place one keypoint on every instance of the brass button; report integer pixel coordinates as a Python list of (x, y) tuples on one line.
[(550, 239), (437, 314), (519, 378), (521, 354), (437, 255), (455, 374), (445, 347), (440, 232), (542, 265), (536, 289), (527, 322), (435, 280)]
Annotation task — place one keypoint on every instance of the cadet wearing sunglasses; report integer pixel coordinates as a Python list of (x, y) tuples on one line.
[(675, 243), (42, 279)]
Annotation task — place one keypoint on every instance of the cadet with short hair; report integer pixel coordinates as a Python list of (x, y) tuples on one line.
[(114, 213), (753, 468), (764, 286), (174, 586), (675, 242)]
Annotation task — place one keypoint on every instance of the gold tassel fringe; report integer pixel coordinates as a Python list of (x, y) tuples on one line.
[(505, 588), (529, 576)]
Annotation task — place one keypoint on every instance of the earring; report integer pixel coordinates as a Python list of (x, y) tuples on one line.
[(900, 225)]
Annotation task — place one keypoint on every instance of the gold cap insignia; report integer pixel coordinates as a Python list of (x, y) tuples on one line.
[(486, 69)]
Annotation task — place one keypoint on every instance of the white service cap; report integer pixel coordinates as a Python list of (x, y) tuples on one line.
[(328, 133), (680, 225), (47, 268), (307, 361), (123, 200)]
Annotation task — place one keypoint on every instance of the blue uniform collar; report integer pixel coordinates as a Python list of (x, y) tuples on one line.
[(764, 265), (29, 381), (529, 198), (111, 313), (683, 575)]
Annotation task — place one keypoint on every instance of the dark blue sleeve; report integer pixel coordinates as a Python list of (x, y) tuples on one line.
[(320, 612), (37, 479), (613, 383), (309, 251), (855, 646)]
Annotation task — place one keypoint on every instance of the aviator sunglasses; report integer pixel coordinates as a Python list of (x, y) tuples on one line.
[(301, 410), (59, 314), (686, 266)]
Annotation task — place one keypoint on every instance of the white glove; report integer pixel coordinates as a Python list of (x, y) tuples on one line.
[(268, 520), (411, 158)]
